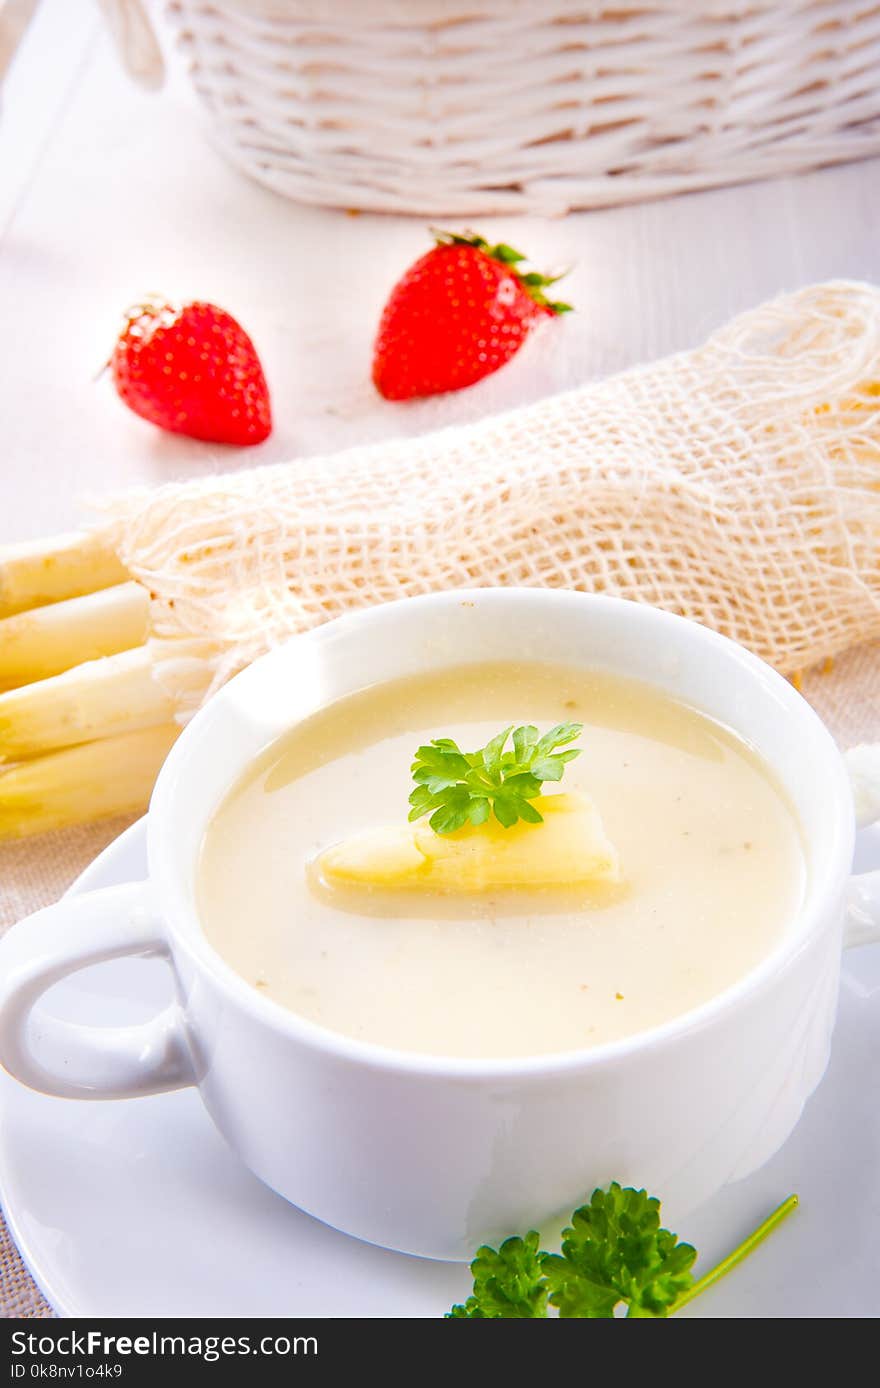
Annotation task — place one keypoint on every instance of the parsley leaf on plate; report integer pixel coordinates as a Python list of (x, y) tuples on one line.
[(615, 1251), (614, 1254), (508, 1284)]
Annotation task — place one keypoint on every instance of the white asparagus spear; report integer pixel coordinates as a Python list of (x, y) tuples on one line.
[(66, 566), (112, 776), (47, 640), (102, 698)]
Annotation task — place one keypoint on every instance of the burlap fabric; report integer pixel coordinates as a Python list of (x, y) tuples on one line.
[(34, 874)]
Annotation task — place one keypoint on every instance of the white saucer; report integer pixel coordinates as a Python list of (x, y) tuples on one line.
[(138, 1208)]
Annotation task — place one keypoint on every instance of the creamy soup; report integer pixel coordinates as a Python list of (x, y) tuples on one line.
[(712, 871)]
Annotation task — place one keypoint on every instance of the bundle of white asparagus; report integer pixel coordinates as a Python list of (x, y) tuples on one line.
[(738, 484)]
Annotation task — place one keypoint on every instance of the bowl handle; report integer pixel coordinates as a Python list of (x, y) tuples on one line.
[(862, 925), (135, 40), (89, 1062)]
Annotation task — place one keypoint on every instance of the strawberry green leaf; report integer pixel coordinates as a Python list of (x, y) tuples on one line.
[(532, 281)]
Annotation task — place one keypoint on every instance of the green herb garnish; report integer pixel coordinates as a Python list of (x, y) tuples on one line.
[(613, 1254), (508, 1284), (461, 787)]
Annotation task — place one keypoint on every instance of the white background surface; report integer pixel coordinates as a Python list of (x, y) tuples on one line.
[(107, 192)]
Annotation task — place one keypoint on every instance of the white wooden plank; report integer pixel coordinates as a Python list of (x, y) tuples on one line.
[(126, 195), (43, 73)]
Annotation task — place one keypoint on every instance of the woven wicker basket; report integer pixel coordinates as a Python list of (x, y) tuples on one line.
[(472, 106)]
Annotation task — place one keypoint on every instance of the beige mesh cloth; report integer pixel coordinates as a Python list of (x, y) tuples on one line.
[(738, 484)]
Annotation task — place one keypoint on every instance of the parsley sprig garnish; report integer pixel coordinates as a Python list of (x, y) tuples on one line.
[(457, 787), (615, 1251), (508, 1284), (613, 1254)]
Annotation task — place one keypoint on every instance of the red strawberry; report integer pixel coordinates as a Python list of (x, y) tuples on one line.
[(193, 370), (458, 314)]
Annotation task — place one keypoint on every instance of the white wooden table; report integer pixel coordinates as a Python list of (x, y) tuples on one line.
[(107, 192)]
